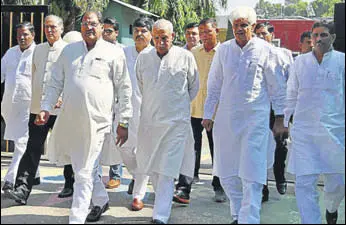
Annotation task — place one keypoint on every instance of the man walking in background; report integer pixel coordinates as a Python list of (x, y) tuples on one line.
[(265, 31), (191, 36), (15, 107), (203, 54), (110, 34)]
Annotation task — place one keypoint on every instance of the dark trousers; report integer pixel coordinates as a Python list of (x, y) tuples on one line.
[(69, 176), (280, 154), (31, 158), (197, 128)]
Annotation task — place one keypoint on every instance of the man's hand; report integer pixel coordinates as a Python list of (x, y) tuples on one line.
[(278, 129), (122, 135), (207, 124), (42, 118), (58, 104)]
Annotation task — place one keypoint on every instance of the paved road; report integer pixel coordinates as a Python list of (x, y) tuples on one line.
[(45, 208)]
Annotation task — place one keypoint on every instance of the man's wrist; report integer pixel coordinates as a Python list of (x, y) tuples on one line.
[(123, 125)]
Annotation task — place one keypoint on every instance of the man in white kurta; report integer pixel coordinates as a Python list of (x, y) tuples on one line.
[(16, 73), (44, 58), (244, 81), (316, 99), (93, 75), (112, 155), (265, 31), (168, 80)]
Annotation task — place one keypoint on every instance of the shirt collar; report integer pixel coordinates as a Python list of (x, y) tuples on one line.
[(214, 49), (31, 48), (57, 44), (98, 42)]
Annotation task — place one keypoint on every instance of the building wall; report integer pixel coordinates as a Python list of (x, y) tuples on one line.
[(125, 17)]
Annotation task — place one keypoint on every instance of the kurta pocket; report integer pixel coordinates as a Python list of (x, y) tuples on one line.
[(99, 68)]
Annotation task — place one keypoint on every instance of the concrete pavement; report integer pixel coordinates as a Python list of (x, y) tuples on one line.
[(44, 207)]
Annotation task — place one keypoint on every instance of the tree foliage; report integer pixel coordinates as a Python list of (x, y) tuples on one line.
[(322, 8), (179, 12), (72, 10)]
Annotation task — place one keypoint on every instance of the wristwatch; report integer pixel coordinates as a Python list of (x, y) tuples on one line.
[(279, 116), (124, 125)]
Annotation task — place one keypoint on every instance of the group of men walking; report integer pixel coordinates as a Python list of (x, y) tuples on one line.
[(147, 106)]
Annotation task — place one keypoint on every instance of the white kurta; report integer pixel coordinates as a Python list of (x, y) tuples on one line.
[(244, 82), (15, 105), (111, 154), (43, 61), (167, 86), (285, 60), (92, 81), (316, 99)]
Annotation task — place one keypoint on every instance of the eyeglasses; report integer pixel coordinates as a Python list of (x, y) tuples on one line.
[(92, 24), (108, 31)]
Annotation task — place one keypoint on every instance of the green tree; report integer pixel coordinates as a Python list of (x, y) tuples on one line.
[(179, 12), (18, 2), (72, 10), (324, 8)]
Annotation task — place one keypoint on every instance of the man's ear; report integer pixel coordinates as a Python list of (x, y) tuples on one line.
[(217, 30), (173, 35), (333, 37), (253, 27)]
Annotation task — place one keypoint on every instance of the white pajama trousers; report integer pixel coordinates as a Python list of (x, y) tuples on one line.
[(308, 196), (88, 185), (128, 154), (245, 199), (164, 190), (19, 150)]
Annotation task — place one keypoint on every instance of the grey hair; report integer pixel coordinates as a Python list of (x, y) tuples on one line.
[(163, 24), (243, 12), (58, 19)]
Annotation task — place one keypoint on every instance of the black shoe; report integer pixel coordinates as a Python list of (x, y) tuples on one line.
[(281, 187), (181, 197), (17, 196), (234, 222), (265, 193), (220, 196), (96, 212), (36, 181), (156, 221), (130, 189), (66, 192), (331, 218), (7, 186)]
